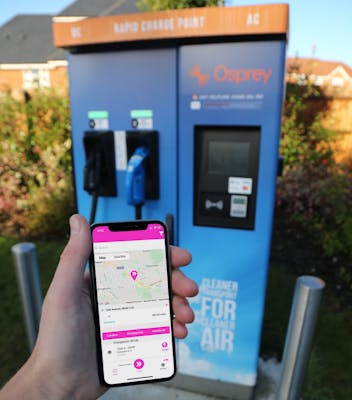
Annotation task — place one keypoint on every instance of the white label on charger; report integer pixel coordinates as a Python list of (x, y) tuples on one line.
[(145, 123), (238, 207), (240, 185), (120, 150), (195, 105)]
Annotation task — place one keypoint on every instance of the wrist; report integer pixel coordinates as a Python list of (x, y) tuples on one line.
[(31, 382), (37, 381)]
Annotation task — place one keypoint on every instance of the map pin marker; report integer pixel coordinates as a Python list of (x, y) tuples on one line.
[(134, 274)]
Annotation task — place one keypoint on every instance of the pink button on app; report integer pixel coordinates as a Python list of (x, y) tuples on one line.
[(138, 364)]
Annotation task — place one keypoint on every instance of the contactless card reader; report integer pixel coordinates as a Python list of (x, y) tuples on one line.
[(225, 176)]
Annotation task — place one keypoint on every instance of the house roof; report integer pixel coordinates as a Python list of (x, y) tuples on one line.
[(28, 39), (315, 66), (94, 8)]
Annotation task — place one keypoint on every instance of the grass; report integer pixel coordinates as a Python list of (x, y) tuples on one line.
[(13, 341), (329, 372), (332, 355)]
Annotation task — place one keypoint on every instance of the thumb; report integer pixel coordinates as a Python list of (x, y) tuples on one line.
[(68, 279)]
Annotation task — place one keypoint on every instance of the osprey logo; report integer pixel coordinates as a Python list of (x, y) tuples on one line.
[(222, 73), (195, 72)]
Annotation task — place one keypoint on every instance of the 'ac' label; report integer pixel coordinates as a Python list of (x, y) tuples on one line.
[(253, 19)]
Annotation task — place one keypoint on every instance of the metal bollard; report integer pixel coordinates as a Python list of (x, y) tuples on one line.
[(26, 266), (303, 318)]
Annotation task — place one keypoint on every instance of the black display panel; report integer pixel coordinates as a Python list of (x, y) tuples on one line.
[(226, 161), (225, 157)]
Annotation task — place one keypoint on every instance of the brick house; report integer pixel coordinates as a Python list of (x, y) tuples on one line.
[(334, 79), (28, 58)]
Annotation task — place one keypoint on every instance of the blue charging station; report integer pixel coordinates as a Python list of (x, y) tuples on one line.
[(181, 112)]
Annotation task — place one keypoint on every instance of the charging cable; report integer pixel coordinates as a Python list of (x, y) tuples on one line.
[(91, 181)]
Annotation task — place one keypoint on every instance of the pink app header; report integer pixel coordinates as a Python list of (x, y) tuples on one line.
[(103, 234)]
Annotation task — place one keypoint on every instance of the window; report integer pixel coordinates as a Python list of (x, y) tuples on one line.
[(337, 81), (34, 78)]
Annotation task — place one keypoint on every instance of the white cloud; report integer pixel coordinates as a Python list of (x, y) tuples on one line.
[(245, 379), (189, 365)]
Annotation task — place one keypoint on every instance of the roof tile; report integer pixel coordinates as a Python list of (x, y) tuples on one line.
[(315, 66)]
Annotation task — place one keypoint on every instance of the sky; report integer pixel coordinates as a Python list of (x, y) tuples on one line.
[(319, 28)]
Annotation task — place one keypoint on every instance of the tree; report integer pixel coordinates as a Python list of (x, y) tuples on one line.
[(157, 5), (314, 196), (36, 193)]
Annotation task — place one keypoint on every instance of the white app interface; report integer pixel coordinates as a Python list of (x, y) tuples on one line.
[(133, 304)]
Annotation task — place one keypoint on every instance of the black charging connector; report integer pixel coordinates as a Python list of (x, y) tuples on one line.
[(99, 170)]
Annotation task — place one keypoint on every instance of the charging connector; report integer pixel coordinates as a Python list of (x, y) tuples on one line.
[(135, 180), (99, 170)]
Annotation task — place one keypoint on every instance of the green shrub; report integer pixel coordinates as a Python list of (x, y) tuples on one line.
[(36, 194), (304, 140), (314, 195)]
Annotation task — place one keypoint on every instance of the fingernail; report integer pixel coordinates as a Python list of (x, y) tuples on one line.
[(74, 225)]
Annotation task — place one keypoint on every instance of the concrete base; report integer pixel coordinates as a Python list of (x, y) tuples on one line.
[(212, 388)]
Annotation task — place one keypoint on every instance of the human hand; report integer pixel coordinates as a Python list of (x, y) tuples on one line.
[(63, 363)]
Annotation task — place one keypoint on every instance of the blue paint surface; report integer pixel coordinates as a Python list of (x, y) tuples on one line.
[(223, 343), (119, 82)]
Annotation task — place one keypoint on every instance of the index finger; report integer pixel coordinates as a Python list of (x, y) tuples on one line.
[(179, 256)]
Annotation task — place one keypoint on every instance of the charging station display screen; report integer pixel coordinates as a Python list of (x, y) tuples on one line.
[(228, 158)]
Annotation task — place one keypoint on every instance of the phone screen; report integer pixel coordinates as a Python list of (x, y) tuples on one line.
[(132, 296)]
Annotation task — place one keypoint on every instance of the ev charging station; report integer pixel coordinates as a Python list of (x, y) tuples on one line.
[(176, 116)]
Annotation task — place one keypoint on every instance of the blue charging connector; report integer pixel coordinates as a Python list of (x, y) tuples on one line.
[(135, 179)]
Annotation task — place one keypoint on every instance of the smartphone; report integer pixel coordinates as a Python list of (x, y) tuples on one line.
[(131, 290)]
